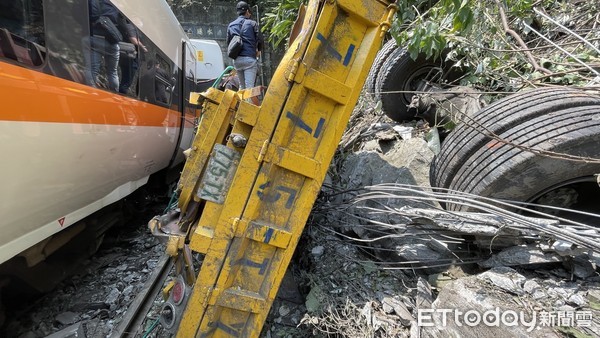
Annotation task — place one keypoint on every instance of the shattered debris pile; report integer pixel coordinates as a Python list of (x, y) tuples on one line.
[(386, 260)]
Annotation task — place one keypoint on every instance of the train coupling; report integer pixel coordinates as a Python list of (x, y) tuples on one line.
[(166, 228)]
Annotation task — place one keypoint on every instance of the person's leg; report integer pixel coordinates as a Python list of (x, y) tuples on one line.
[(126, 74), (134, 69), (250, 74), (247, 68), (92, 59), (111, 59), (241, 65), (240, 75)]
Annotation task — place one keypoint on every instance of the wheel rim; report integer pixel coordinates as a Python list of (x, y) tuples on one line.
[(578, 194), (418, 79)]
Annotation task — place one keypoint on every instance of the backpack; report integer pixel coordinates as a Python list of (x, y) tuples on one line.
[(111, 32), (235, 45), (102, 13)]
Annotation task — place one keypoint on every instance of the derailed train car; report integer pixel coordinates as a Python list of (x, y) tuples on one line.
[(71, 146)]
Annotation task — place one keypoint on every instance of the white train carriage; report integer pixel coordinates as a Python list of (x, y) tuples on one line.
[(70, 147)]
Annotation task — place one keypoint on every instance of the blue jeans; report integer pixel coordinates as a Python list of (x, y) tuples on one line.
[(129, 68), (246, 68), (94, 50)]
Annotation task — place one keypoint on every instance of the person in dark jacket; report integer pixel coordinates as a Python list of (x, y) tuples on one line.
[(97, 46), (246, 64), (129, 64)]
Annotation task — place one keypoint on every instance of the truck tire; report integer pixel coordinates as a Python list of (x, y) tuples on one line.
[(400, 75), (382, 55), (557, 120)]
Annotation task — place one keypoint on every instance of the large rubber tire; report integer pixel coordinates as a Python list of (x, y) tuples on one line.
[(556, 120), (400, 75), (382, 55)]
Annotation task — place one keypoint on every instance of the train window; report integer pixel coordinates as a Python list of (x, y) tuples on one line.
[(22, 31), (67, 25), (61, 38), (80, 51), (133, 50), (129, 58), (156, 84)]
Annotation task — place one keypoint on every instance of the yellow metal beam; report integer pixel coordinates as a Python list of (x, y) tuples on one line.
[(249, 236)]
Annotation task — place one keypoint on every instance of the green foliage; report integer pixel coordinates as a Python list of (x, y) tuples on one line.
[(471, 35), (409, 10), (279, 18), (520, 8), (177, 4), (429, 33), (427, 39)]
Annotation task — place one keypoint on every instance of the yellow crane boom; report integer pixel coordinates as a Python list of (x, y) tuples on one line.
[(254, 172)]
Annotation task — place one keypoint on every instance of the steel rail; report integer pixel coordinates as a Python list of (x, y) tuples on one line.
[(136, 313)]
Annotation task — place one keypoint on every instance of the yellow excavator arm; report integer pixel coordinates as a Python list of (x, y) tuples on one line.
[(254, 172)]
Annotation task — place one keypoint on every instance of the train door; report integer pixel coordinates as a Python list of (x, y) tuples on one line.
[(188, 111)]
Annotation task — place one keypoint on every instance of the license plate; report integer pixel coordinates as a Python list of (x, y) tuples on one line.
[(219, 173)]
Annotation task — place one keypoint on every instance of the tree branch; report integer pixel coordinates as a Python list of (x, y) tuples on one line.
[(520, 41)]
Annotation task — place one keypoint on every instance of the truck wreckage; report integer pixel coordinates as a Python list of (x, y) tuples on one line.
[(254, 172)]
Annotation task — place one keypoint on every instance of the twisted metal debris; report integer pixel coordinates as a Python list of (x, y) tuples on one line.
[(492, 217)]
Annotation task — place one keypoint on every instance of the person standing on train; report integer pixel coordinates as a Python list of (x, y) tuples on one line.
[(246, 63), (103, 43), (129, 61)]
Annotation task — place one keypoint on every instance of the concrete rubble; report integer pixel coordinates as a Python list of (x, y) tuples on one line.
[(442, 265)]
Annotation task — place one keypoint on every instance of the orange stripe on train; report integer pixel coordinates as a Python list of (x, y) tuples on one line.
[(31, 96)]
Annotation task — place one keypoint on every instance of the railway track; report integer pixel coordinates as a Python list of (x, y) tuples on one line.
[(107, 296), (132, 324)]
